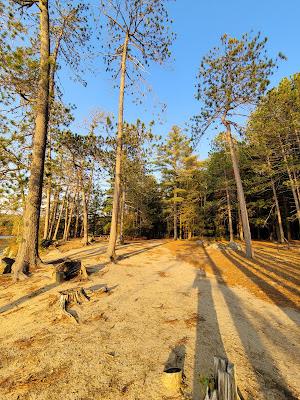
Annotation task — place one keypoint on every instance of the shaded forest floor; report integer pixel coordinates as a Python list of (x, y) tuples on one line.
[(167, 300)]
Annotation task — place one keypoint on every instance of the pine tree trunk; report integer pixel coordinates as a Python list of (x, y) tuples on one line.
[(53, 214), (240, 192), (231, 238), (66, 219), (60, 215), (111, 250), (240, 226), (28, 256), (48, 195), (121, 236), (281, 233), (180, 226), (85, 239), (296, 200), (67, 232), (77, 217), (175, 216)]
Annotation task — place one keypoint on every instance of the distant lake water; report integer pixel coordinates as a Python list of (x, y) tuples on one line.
[(4, 241)]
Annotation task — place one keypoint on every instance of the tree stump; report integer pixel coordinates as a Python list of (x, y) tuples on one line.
[(223, 385), (72, 296), (76, 296), (70, 269)]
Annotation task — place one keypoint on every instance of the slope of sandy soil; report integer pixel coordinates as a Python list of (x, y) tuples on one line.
[(166, 301)]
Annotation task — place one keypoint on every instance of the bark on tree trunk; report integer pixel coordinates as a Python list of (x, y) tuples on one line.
[(111, 250), (28, 256), (231, 238), (53, 214), (240, 192), (48, 195), (66, 218), (175, 216), (67, 232), (60, 215), (85, 239), (77, 218), (121, 236), (180, 227), (279, 219), (296, 200)]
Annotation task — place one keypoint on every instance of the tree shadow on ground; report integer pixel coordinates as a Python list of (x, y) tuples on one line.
[(208, 341), (277, 297), (28, 296), (264, 366)]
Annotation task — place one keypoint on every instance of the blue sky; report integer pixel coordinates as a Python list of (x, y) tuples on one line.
[(198, 25)]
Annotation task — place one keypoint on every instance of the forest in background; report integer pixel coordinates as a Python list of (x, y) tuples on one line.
[(116, 177)]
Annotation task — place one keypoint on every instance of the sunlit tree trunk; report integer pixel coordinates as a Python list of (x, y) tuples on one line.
[(60, 215), (231, 238), (67, 232), (53, 214), (111, 250), (279, 219), (292, 182), (122, 211), (85, 239), (240, 193), (48, 195), (175, 215), (180, 226), (77, 217), (66, 218), (28, 256)]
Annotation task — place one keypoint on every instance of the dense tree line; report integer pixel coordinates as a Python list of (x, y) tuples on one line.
[(118, 178)]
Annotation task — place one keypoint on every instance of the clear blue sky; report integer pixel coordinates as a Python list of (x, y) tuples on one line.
[(199, 25)]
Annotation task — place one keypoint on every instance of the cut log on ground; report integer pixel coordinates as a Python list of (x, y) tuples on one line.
[(223, 385)]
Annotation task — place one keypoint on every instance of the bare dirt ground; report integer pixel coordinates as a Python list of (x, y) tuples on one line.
[(167, 300)]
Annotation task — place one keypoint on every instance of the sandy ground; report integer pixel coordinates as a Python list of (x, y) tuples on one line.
[(166, 301)]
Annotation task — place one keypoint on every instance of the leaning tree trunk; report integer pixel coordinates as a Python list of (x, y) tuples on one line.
[(111, 250), (240, 192), (28, 256)]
